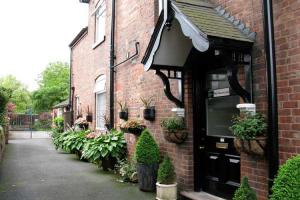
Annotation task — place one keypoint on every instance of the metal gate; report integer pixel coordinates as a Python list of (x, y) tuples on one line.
[(22, 122)]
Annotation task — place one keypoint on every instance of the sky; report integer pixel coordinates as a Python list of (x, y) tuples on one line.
[(34, 33)]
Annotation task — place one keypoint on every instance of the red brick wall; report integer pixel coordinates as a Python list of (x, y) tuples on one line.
[(135, 20)]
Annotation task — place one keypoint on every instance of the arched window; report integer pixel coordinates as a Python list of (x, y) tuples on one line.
[(100, 94)]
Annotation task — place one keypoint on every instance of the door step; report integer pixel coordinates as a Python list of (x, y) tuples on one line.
[(198, 196)]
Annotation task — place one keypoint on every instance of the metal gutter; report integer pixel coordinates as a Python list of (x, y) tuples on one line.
[(111, 65), (272, 92)]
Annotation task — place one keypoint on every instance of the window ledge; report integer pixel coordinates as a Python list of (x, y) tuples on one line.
[(95, 45)]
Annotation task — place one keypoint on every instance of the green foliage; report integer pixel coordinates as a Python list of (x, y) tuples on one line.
[(147, 151), (112, 144), (166, 172), (74, 141), (59, 124), (244, 192), (20, 96), (127, 170), (53, 87), (173, 124), (4, 98), (248, 126), (58, 138), (42, 125), (287, 183)]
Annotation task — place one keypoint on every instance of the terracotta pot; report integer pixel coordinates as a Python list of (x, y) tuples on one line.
[(166, 192), (147, 176), (177, 137), (149, 114), (253, 147)]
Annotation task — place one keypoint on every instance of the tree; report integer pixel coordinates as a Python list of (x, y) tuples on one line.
[(53, 86), (20, 96)]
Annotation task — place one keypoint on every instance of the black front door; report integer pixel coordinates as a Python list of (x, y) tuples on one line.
[(216, 160)]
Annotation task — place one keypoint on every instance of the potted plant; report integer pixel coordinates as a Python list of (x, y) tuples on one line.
[(166, 186), (82, 123), (123, 114), (174, 129), (89, 116), (106, 122), (249, 131), (132, 126), (149, 111), (105, 149), (244, 192), (147, 158)]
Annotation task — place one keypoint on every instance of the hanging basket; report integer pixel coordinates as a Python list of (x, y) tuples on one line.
[(252, 147), (177, 137)]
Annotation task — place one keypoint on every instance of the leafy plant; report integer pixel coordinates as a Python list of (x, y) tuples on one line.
[(287, 183), (147, 151), (59, 124), (166, 172), (112, 144), (132, 124), (244, 192), (75, 141), (248, 126), (127, 170), (147, 101), (4, 98), (173, 124), (123, 106), (58, 138)]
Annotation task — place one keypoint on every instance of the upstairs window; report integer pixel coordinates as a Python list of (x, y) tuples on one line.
[(99, 22)]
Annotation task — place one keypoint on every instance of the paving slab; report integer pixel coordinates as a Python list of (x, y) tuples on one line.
[(34, 170)]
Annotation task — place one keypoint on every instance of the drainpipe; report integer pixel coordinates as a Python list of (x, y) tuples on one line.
[(71, 90), (272, 92), (111, 65)]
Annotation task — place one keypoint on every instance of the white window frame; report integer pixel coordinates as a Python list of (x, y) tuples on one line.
[(100, 90), (99, 14), (77, 100)]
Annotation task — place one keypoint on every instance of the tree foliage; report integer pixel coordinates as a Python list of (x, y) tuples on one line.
[(20, 96), (53, 86)]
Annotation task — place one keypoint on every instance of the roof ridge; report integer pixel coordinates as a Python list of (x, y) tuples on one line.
[(201, 3), (236, 22)]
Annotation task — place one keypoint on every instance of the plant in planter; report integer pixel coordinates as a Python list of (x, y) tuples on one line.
[(82, 123), (149, 111), (249, 131), (132, 126), (287, 183), (89, 116), (244, 192), (147, 158), (174, 129), (105, 148), (166, 186), (106, 122), (123, 114)]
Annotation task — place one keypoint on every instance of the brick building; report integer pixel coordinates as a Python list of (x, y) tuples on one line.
[(195, 46)]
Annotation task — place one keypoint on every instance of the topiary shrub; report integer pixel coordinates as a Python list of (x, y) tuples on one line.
[(287, 183), (244, 192), (166, 172), (147, 151)]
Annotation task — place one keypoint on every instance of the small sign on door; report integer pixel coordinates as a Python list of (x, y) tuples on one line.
[(221, 92)]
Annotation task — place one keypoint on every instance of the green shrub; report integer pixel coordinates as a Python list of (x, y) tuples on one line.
[(59, 124), (244, 192), (112, 144), (173, 124), (248, 126), (287, 183), (147, 151), (127, 170), (166, 172), (58, 138), (74, 141), (4, 98), (41, 125)]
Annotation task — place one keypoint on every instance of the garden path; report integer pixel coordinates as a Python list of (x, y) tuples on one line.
[(34, 170)]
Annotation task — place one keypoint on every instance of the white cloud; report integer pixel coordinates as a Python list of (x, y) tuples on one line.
[(36, 32)]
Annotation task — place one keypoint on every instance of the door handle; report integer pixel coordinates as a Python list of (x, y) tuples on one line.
[(201, 147)]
